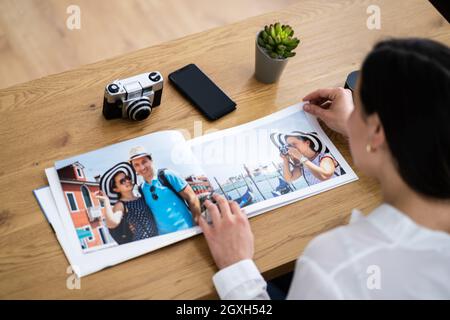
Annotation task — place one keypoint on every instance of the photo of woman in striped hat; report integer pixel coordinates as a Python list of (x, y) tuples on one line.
[(128, 217), (305, 155)]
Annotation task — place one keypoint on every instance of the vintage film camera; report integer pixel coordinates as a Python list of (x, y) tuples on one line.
[(133, 98)]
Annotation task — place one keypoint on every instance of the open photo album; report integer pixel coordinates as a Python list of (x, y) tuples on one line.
[(127, 199)]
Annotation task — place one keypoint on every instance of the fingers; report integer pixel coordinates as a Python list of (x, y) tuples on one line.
[(236, 210), (321, 94), (223, 210), (203, 224), (293, 152), (213, 211), (317, 111), (99, 193), (224, 206)]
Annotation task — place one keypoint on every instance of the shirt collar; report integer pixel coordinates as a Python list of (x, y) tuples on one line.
[(146, 184), (400, 228)]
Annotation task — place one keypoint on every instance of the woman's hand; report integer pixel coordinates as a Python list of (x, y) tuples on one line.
[(332, 105), (294, 153), (101, 196), (229, 238), (285, 157)]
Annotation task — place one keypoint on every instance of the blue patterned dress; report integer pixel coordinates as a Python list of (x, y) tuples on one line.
[(140, 219)]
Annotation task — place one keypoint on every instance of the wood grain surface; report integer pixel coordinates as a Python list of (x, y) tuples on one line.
[(35, 41)]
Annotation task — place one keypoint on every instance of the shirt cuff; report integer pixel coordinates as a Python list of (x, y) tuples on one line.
[(231, 277)]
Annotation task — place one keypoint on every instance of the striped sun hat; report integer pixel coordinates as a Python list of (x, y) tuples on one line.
[(280, 139), (318, 145), (106, 180)]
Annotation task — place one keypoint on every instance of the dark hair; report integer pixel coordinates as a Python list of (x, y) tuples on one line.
[(406, 82), (305, 139)]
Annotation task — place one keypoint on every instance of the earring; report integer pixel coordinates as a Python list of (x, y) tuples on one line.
[(369, 148)]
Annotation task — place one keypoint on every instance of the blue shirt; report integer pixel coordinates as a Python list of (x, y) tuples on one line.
[(170, 212)]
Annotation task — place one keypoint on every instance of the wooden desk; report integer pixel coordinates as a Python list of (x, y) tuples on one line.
[(59, 116)]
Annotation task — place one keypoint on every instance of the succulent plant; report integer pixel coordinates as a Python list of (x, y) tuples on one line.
[(277, 41)]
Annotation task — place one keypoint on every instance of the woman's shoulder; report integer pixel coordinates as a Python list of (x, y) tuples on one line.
[(118, 206), (337, 246), (325, 155)]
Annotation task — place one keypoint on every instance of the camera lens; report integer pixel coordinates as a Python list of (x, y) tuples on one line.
[(139, 109), (141, 114), (113, 88)]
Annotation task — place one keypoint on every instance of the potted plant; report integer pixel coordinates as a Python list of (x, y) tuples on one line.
[(274, 45)]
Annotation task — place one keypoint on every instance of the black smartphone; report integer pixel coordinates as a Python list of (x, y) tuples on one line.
[(192, 83)]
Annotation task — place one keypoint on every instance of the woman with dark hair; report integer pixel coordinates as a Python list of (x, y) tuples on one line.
[(398, 126), (128, 217)]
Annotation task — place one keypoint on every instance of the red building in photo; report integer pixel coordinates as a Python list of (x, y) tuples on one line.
[(200, 184), (87, 213)]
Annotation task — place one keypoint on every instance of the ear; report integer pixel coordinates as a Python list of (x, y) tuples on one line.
[(377, 138)]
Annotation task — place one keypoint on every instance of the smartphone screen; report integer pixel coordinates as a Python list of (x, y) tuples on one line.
[(191, 82)]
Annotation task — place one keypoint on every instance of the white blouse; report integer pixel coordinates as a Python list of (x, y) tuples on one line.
[(385, 255)]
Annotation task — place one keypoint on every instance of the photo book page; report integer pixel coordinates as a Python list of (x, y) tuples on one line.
[(127, 199)]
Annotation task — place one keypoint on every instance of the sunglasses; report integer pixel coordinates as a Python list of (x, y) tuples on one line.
[(125, 179), (154, 195)]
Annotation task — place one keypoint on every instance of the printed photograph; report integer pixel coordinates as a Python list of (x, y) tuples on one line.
[(131, 191), (268, 161)]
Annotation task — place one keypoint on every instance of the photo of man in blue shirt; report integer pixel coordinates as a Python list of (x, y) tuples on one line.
[(171, 199)]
